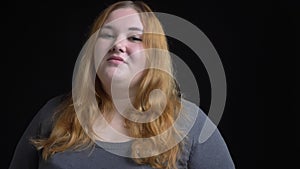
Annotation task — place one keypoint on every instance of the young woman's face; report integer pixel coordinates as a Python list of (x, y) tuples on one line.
[(119, 48)]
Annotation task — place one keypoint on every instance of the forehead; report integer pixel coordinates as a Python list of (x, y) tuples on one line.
[(124, 17)]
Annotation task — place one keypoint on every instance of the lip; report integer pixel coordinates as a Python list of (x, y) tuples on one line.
[(116, 58)]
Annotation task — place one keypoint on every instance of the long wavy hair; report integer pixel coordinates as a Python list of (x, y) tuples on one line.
[(70, 132)]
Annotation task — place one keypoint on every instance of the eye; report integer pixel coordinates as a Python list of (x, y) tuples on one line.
[(135, 38), (106, 36)]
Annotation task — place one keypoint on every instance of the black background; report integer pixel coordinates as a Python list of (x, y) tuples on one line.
[(43, 39)]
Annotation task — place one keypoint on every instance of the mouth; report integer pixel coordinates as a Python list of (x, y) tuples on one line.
[(115, 58)]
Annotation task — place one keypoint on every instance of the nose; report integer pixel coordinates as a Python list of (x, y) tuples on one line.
[(119, 47)]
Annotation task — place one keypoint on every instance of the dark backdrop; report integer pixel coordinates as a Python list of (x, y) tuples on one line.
[(43, 39)]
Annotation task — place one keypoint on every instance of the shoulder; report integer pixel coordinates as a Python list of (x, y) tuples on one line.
[(205, 146), (50, 106), (45, 115), (195, 118), (55, 101), (200, 125)]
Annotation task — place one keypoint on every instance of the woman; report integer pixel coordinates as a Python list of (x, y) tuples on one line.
[(125, 110)]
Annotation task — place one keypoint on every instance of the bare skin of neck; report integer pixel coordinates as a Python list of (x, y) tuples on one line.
[(114, 130), (111, 131)]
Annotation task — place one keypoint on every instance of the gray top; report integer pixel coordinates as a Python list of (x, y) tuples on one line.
[(210, 154)]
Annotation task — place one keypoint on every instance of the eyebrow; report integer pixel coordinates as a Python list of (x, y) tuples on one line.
[(135, 29), (130, 28)]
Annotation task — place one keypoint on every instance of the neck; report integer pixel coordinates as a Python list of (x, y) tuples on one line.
[(119, 92), (111, 129)]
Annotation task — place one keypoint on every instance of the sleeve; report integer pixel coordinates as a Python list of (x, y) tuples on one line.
[(25, 155), (209, 153)]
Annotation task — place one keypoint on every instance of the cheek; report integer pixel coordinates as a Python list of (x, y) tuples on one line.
[(100, 50), (137, 53), (139, 61), (140, 65), (139, 68)]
